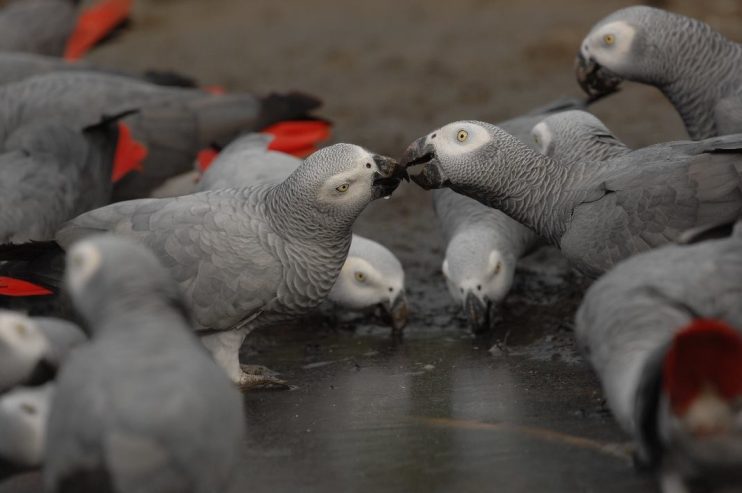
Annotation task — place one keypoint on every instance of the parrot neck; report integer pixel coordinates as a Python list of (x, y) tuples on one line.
[(293, 210), (700, 68), (594, 147), (524, 184)]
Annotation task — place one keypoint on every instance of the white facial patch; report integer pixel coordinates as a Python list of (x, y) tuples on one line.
[(610, 45), (350, 185), (83, 261), (23, 417), (21, 343), (458, 138), (359, 285), (542, 137), (487, 277)]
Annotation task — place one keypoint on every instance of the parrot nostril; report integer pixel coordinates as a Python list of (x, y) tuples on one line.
[(479, 287), (433, 136), (368, 165), (391, 289)]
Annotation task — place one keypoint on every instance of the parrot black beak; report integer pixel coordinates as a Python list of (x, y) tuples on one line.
[(423, 166), (596, 80), (478, 313), (394, 312), (389, 176)]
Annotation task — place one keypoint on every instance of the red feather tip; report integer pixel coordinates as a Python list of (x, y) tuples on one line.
[(129, 154), (205, 157), (298, 138), (17, 287), (94, 24), (705, 353)]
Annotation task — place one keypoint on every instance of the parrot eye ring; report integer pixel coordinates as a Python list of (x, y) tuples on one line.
[(343, 188), (462, 135), (368, 165), (609, 39), (360, 276), (28, 408), (21, 329)]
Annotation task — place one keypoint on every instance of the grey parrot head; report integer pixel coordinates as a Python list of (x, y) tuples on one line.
[(576, 135), (478, 276), (454, 155), (634, 43), (341, 180), (372, 279), (106, 274)]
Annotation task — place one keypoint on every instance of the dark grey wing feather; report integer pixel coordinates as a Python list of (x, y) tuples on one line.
[(651, 200), (215, 244), (51, 173)]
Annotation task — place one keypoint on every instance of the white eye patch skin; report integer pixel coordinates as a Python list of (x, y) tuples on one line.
[(542, 137), (356, 182), (83, 261), (358, 292), (448, 140), (22, 345), (610, 45)]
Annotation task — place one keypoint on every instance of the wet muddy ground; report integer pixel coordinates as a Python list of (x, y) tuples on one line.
[(438, 410)]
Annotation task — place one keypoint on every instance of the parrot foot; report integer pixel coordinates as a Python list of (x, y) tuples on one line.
[(255, 376)]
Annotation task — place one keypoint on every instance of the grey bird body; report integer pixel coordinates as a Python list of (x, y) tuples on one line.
[(483, 244), (698, 69), (596, 215), (32, 349), (51, 172), (253, 256), (626, 323), (37, 26), (173, 123), (372, 277), (142, 407)]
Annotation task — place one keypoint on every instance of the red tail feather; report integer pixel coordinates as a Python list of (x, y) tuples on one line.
[(18, 287), (705, 353), (94, 24), (298, 138), (205, 157), (129, 154)]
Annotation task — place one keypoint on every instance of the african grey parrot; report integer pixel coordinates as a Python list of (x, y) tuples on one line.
[(37, 26), (596, 215), (248, 257), (576, 135), (171, 124), (23, 415), (483, 244), (50, 172), (663, 331), (371, 278), (142, 407), (32, 349), (695, 67)]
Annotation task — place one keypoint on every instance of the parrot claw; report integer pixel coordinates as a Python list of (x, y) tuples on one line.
[(254, 376)]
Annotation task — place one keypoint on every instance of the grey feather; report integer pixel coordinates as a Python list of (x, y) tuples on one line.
[(698, 69), (632, 313), (52, 172), (599, 215), (118, 410), (37, 26)]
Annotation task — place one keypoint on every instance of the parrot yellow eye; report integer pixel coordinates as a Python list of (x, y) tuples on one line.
[(536, 140), (360, 276), (343, 188), (609, 39), (462, 135)]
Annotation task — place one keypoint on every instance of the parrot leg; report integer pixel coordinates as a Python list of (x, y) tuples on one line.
[(253, 376)]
